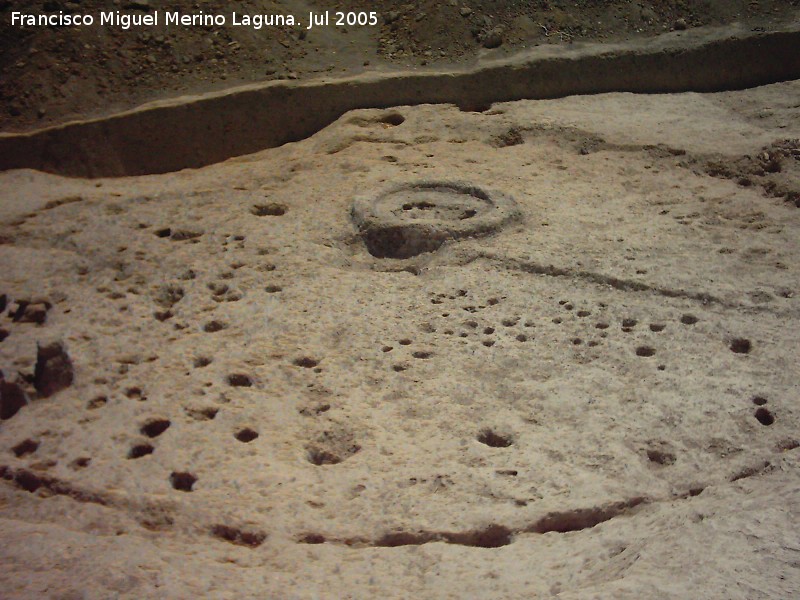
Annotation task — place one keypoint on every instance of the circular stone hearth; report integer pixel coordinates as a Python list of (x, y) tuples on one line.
[(409, 219)]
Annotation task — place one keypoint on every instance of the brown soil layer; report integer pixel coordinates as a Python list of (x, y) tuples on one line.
[(50, 75)]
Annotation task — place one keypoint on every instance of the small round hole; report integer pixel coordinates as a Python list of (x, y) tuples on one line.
[(740, 346), (246, 435), (393, 119), (183, 482), (765, 417), (140, 450), (155, 427), (494, 439)]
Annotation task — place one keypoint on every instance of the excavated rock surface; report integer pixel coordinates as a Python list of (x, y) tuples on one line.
[(596, 399)]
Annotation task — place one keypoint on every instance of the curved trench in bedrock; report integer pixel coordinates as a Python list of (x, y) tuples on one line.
[(193, 132)]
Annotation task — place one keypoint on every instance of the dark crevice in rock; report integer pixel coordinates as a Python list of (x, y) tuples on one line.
[(582, 518), (30, 482), (237, 536), (753, 471), (492, 536), (624, 285)]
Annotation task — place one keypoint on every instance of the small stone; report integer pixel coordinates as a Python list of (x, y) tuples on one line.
[(493, 39), (30, 311), (391, 17), (12, 398), (680, 25), (465, 11), (34, 313), (54, 371)]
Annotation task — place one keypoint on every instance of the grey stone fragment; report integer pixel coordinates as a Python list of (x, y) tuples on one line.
[(54, 371)]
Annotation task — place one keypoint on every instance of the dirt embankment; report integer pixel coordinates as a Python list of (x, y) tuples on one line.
[(51, 75), (191, 133)]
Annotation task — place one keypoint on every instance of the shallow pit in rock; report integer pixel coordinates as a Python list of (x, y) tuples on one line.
[(414, 218)]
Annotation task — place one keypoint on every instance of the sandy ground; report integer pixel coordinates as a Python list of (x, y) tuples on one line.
[(597, 400)]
